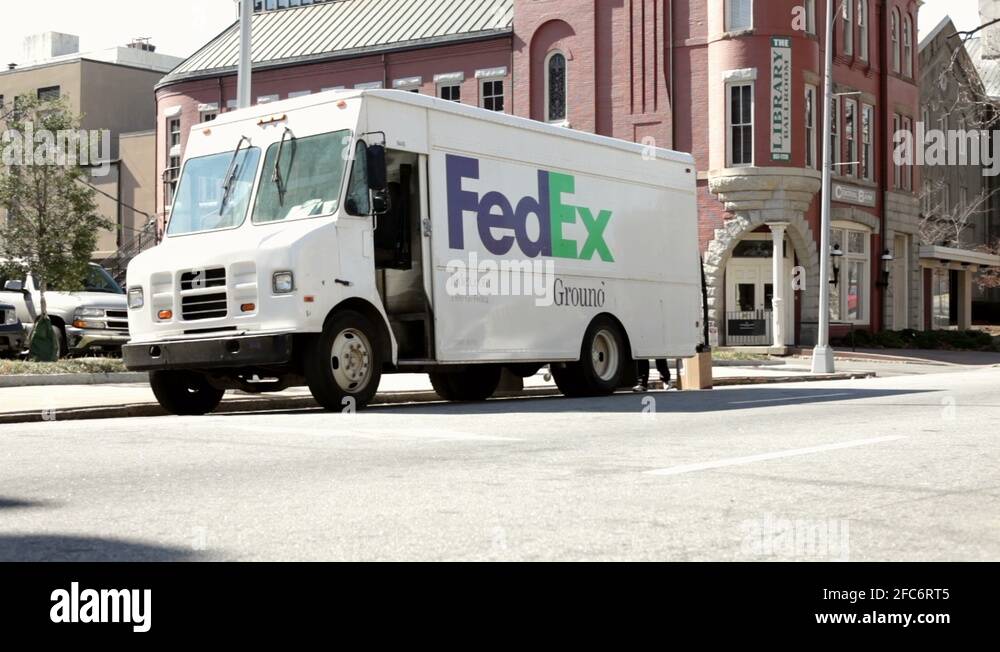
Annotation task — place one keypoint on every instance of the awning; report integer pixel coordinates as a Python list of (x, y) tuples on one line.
[(953, 258)]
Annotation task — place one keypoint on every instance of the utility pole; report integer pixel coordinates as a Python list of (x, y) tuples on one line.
[(243, 100), (822, 362)]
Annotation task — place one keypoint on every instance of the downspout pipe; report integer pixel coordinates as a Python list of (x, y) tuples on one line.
[(883, 100)]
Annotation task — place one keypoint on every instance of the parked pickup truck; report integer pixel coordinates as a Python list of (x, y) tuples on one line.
[(11, 332), (95, 319)]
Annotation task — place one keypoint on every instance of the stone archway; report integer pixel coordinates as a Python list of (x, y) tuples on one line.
[(754, 197)]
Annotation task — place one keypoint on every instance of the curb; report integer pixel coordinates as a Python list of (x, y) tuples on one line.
[(54, 380), (261, 404)]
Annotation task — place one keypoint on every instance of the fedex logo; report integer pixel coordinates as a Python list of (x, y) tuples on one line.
[(501, 223)]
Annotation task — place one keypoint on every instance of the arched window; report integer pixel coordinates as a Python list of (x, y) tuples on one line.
[(895, 39), (848, 28), (555, 87), (863, 30), (907, 46)]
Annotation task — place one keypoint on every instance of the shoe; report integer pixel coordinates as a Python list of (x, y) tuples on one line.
[(640, 389)]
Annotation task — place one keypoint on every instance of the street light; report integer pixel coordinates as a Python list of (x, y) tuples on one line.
[(822, 362), (245, 70)]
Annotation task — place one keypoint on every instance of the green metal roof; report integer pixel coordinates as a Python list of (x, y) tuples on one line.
[(346, 29)]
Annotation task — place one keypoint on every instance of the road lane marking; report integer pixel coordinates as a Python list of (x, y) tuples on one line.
[(737, 461), (791, 398)]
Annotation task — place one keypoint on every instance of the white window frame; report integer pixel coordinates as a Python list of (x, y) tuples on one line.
[(408, 84), (851, 137), (729, 16), (368, 86), (267, 99), (863, 37), (907, 126), (482, 92), (848, 25), (729, 122), (564, 121), (811, 95), (894, 39), (867, 171), (443, 85), (845, 261), (897, 169), (810, 7), (835, 149), (907, 46), (295, 94)]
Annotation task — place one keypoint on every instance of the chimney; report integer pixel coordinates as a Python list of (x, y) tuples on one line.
[(49, 45)]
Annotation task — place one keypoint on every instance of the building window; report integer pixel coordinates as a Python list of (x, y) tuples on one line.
[(897, 139), (49, 94), (491, 94), (450, 92), (173, 133), (556, 81), (739, 116), (835, 135), (849, 297), (739, 15), (172, 173), (907, 46), (851, 137), (907, 170), (848, 27), (867, 124), (810, 17), (894, 36), (863, 30), (811, 126)]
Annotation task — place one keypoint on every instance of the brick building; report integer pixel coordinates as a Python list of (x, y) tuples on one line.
[(735, 82)]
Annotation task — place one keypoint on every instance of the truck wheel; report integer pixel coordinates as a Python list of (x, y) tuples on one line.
[(601, 368), (345, 366), (184, 393), (477, 383)]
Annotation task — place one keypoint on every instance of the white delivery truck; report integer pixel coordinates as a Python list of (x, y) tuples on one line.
[(328, 239)]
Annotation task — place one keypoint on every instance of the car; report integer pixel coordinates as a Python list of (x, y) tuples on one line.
[(88, 321), (11, 332)]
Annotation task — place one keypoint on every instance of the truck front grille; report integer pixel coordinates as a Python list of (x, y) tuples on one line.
[(204, 306), (117, 319), (199, 279)]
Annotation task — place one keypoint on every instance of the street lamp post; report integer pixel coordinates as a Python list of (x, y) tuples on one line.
[(245, 71), (822, 362)]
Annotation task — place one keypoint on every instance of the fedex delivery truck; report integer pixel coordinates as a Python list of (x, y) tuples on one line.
[(328, 239)]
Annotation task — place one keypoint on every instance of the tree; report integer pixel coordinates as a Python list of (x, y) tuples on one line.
[(52, 222)]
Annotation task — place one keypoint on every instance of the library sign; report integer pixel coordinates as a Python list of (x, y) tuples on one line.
[(781, 99)]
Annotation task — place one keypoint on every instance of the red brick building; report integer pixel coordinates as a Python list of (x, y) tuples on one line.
[(736, 82)]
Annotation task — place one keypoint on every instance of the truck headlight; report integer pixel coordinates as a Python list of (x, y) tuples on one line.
[(89, 318), (135, 298), (10, 318), (283, 282)]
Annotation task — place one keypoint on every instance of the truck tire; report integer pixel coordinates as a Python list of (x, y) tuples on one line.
[(344, 367), (602, 366), (477, 383), (184, 393)]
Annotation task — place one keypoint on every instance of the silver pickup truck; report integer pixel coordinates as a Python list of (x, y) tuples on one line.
[(95, 319)]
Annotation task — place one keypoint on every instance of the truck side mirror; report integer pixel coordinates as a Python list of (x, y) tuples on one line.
[(380, 202), (377, 172)]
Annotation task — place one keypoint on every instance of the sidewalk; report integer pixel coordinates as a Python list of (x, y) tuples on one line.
[(41, 403)]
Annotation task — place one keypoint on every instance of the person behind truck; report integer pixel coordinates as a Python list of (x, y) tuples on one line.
[(642, 373)]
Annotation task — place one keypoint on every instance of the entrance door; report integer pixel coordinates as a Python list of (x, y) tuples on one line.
[(749, 295), (901, 283)]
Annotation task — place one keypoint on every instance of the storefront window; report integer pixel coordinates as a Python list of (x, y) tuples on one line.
[(849, 296)]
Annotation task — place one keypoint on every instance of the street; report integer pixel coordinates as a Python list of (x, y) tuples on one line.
[(900, 468)]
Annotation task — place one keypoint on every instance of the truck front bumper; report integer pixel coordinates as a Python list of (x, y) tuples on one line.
[(218, 353), (12, 339)]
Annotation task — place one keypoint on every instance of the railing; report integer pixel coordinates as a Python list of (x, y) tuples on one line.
[(142, 240), (749, 328)]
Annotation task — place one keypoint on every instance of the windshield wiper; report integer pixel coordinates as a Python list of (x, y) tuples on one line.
[(231, 174), (276, 177)]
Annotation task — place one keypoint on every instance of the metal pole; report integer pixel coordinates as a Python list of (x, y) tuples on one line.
[(822, 362), (243, 100)]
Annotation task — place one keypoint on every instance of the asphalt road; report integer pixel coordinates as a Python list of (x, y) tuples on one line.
[(895, 468)]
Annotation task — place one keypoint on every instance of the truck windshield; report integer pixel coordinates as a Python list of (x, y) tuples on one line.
[(198, 201), (97, 280), (309, 179)]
